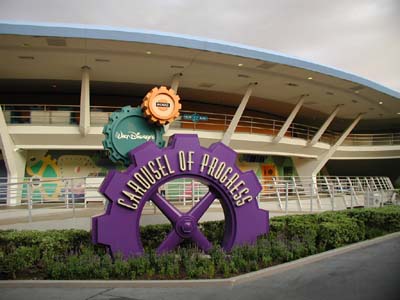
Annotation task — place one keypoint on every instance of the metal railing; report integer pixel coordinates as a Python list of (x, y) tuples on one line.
[(327, 192), (282, 194), (69, 114), (45, 114), (257, 125), (247, 124)]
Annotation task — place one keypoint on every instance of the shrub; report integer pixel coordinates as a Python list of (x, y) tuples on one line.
[(69, 254), (378, 221), (338, 229)]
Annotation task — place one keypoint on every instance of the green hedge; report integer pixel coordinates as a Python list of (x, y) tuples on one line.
[(69, 254)]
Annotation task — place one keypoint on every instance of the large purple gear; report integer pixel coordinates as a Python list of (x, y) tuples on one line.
[(118, 227)]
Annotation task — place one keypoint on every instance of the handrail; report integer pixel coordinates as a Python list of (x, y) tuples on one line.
[(216, 121), (299, 193)]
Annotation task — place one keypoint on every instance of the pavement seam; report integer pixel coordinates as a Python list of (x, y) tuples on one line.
[(233, 281)]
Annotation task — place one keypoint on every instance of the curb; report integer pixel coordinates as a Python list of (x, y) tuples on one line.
[(194, 283)]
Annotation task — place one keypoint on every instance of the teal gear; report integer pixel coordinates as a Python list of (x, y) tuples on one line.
[(128, 129)]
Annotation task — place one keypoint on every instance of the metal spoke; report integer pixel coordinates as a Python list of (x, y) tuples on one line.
[(201, 241), (170, 242), (167, 208), (200, 208)]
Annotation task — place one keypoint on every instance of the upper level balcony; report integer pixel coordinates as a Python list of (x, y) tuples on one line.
[(253, 134)]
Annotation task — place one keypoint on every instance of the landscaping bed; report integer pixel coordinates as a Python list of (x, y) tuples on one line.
[(69, 254)]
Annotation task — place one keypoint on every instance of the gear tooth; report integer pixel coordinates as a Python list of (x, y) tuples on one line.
[(163, 89), (113, 158), (224, 151), (250, 176), (126, 109), (178, 140), (137, 109), (107, 144)]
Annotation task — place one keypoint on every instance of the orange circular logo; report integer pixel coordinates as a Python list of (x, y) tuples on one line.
[(161, 105)]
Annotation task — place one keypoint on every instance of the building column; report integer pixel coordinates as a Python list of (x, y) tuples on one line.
[(84, 120), (226, 139), (311, 166), (324, 126), (174, 85), (175, 81), (15, 161), (289, 120)]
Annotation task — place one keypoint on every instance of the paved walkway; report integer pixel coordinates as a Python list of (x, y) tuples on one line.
[(80, 218), (372, 272)]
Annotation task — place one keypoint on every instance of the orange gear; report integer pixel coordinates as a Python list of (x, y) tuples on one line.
[(161, 105)]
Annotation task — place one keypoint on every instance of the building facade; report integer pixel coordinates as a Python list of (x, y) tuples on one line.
[(284, 116)]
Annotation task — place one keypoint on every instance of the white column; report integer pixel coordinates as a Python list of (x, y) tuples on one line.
[(175, 82), (174, 86), (84, 120), (289, 120), (311, 167), (324, 126), (346, 133), (15, 161), (226, 139)]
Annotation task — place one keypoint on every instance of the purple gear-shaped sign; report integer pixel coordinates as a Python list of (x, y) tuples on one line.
[(152, 167)]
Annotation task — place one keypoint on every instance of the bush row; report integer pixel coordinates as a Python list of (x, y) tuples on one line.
[(69, 254)]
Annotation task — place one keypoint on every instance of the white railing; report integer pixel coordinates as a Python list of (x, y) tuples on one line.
[(257, 125), (63, 115), (284, 194), (54, 114), (327, 192)]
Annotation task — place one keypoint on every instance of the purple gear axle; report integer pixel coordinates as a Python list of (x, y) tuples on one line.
[(151, 168)]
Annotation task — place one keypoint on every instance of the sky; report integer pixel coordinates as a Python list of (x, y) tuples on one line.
[(358, 36)]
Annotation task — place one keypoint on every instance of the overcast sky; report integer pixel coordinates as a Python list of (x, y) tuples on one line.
[(357, 36)]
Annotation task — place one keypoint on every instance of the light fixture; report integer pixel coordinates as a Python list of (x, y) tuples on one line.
[(380, 102), (240, 65), (148, 52), (176, 67), (243, 76), (26, 57), (104, 60), (309, 78)]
